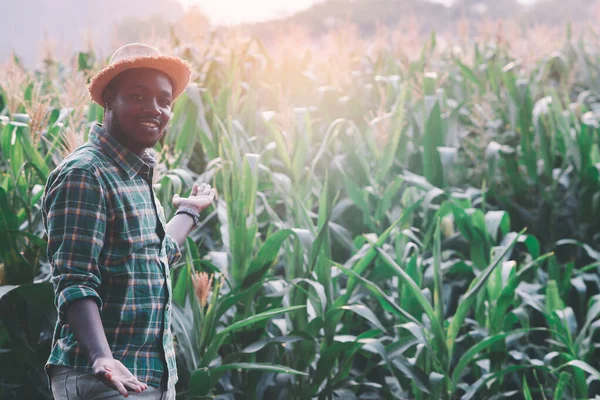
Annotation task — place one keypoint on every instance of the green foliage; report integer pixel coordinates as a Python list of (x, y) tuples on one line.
[(403, 229)]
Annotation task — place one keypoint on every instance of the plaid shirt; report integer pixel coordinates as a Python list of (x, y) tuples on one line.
[(107, 242)]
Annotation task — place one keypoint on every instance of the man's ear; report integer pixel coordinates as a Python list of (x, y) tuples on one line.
[(108, 97)]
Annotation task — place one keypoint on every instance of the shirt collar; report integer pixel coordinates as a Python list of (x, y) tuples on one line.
[(130, 162)]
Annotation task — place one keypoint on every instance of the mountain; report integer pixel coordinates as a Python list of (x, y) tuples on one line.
[(364, 13), (367, 14)]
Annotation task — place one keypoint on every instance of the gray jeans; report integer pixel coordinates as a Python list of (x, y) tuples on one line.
[(70, 384)]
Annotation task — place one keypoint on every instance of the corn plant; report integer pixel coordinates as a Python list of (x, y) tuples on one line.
[(388, 225)]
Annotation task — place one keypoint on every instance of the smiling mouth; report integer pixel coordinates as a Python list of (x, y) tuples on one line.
[(149, 124)]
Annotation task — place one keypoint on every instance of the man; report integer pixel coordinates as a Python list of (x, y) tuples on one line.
[(109, 245)]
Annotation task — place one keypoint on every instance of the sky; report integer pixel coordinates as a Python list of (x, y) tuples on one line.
[(229, 12), (237, 11)]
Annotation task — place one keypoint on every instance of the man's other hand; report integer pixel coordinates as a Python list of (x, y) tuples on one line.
[(114, 374)]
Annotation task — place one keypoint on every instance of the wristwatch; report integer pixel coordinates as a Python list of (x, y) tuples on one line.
[(193, 213)]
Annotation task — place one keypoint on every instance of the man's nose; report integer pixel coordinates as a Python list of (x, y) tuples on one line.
[(151, 106)]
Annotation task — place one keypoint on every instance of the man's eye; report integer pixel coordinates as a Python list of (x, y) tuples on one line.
[(137, 96), (166, 102)]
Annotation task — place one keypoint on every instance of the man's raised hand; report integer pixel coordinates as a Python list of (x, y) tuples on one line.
[(200, 198)]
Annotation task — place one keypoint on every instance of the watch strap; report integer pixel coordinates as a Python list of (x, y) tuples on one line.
[(193, 213)]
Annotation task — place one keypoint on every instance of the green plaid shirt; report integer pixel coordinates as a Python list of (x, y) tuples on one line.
[(107, 242)]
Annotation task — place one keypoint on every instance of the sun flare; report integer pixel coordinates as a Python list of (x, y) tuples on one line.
[(238, 11)]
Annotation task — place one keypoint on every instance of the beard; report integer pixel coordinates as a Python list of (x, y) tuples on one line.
[(118, 132)]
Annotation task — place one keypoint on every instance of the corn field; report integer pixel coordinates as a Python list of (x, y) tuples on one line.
[(394, 221)]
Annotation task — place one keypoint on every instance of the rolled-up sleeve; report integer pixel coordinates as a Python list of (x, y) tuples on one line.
[(172, 249), (75, 219)]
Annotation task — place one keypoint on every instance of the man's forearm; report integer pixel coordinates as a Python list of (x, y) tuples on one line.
[(84, 318), (179, 227)]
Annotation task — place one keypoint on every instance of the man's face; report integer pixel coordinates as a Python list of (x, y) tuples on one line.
[(141, 107)]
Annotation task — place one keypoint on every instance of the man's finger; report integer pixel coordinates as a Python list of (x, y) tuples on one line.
[(133, 386), (206, 191), (120, 387)]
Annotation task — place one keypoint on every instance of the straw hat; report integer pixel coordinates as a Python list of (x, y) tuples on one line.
[(137, 55)]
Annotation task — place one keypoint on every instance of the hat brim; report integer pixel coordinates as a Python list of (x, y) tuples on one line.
[(177, 69)]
